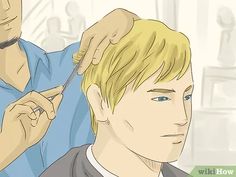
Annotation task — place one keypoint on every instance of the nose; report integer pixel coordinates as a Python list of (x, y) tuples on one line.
[(181, 115), (5, 5)]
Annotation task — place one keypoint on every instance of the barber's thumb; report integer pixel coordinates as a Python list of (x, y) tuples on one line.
[(57, 101)]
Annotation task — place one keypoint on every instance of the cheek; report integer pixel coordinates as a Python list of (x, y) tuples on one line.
[(142, 117), (17, 11), (188, 110)]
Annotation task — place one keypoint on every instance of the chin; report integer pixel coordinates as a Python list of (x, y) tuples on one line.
[(172, 156), (169, 157), (163, 155), (10, 39), (8, 42), (7, 35), (15, 34)]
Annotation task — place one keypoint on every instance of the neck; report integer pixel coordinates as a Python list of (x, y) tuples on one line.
[(120, 160), (14, 66)]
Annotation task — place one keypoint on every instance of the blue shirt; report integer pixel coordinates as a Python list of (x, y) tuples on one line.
[(70, 128)]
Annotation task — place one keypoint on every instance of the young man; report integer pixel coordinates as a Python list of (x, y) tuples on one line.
[(140, 102), (26, 70)]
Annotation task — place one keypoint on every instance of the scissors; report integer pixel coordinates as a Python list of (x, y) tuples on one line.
[(67, 83)]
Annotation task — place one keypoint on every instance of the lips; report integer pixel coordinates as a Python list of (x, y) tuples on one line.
[(173, 135), (177, 142), (179, 137), (7, 21)]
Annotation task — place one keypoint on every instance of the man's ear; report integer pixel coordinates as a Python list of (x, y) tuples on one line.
[(97, 103)]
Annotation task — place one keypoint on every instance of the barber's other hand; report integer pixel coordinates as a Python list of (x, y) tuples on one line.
[(110, 29), (23, 126)]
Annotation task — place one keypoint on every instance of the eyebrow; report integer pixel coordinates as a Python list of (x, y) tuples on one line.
[(161, 90), (188, 88)]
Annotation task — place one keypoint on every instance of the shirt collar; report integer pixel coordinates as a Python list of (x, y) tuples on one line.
[(99, 167), (35, 56), (96, 165)]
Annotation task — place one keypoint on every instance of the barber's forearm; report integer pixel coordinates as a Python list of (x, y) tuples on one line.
[(8, 152)]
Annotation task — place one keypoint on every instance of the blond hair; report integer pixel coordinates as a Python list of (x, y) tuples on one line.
[(150, 46)]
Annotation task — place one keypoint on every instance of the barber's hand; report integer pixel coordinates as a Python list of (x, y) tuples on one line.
[(110, 29), (23, 127)]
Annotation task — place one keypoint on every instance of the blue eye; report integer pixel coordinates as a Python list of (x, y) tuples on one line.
[(161, 98), (188, 97)]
